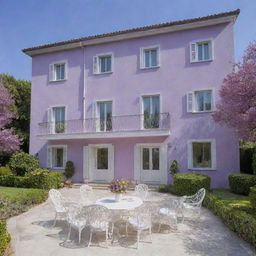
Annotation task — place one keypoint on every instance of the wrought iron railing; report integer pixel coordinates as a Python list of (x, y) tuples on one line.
[(111, 124)]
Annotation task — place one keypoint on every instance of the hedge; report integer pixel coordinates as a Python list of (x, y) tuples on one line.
[(5, 170), (36, 179), (252, 196), (189, 184), (241, 183), (5, 238), (238, 221)]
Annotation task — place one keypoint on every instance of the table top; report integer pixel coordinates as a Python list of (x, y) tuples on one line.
[(126, 203)]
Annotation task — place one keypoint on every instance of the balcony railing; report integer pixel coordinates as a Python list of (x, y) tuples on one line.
[(123, 123)]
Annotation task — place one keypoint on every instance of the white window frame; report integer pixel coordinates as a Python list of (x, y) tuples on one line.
[(52, 71), (193, 49), (213, 154), (97, 115), (142, 56), (150, 157), (50, 117), (96, 63), (50, 156), (191, 101)]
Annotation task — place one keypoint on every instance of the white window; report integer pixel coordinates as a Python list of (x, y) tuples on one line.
[(58, 71), (202, 154), (57, 156), (104, 116), (150, 158), (149, 57), (103, 63), (102, 158), (201, 51), (200, 101), (56, 119)]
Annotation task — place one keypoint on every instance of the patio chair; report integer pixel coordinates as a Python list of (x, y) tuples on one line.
[(58, 202), (170, 212), (140, 221), (195, 201), (99, 220), (141, 190), (77, 218), (86, 194)]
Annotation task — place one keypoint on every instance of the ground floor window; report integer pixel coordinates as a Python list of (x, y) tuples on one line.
[(150, 158), (102, 158), (56, 156)]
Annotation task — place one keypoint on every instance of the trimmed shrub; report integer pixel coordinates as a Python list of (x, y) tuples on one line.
[(5, 238), (69, 169), (239, 221), (189, 184), (252, 196), (174, 168), (5, 170), (22, 163), (241, 183)]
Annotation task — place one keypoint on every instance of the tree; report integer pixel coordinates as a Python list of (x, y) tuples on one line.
[(237, 106), (9, 142), (20, 91)]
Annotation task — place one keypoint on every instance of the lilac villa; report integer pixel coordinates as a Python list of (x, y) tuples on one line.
[(125, 104)]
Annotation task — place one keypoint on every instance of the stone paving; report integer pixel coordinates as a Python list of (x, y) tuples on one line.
[(33, 235)]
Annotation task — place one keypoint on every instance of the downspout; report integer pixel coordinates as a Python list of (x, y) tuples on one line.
[(84, 85)]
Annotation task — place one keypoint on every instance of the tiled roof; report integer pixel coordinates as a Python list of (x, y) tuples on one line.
[(145, 28)]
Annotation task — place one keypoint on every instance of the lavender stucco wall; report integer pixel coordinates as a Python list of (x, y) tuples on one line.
[(175, 77)]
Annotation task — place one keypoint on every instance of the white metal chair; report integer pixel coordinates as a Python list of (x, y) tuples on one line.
[(58, 202), (140, 221), (99, 220), (195, 201), (170, 212), (86, 194), (141, 190), (77, 218)]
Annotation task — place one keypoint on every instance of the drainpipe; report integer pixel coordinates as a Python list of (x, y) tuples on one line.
[(84, 85)]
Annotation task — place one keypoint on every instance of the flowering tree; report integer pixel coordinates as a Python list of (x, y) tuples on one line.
[(9, 142), (237, 106)]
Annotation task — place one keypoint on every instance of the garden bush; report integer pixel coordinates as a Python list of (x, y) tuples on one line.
[(246, 155), (5, 170), (241, 183), (239, 221), (5, 238), (189, 184), (252, 196), (22, 163), (69, 169)]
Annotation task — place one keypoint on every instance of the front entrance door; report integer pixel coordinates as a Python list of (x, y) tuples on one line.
[(99, 163)]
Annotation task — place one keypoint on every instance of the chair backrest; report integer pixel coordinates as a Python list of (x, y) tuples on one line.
[(141, 190), (97, 213), (86, 192), (74, 212), (57, 200), (143, 215), (198, 197)]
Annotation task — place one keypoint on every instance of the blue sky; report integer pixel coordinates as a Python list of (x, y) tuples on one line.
[(26, 23)]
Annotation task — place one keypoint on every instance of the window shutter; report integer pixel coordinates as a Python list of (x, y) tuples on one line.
[(86, 163), (193, 52), (142, 58), (95, 65), (50, 120), (66, 71), (190, 155), (49, 157), (111, 160), (213, 149), (211, 50), (190, 102), (64, 156), (163, 163), (137, 163), (51, 72)]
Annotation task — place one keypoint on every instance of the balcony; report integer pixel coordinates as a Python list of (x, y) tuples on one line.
[(110, 127)]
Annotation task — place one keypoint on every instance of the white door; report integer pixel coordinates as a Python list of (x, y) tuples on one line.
[(100, 163), (151, 163)]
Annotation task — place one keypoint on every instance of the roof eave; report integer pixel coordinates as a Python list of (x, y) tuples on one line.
[(131, 35)]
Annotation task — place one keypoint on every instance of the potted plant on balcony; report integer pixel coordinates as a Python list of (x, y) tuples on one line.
[(119, 187), (59, 127)]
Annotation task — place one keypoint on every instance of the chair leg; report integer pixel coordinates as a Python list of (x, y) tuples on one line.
[(55, 219), (69, 232), (159, 227), (126, 229), (90, 239), (138, 238), (150, 234), (79, 235), (107, 237)]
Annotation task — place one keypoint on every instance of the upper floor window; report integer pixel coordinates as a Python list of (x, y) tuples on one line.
[(201, 51), (104, 116), (149, 57), (103, 63), (200, 101), (56, 119), (58, 71)]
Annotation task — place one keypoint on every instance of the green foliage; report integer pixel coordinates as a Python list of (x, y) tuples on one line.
[(5, 238), (246, 153), (241, 183), (254, 162), (5, 170), (69, 169), (189, 184), (236, 219), (252, 196), (22, 163), (20, 91), (174, 168), (166, 189)]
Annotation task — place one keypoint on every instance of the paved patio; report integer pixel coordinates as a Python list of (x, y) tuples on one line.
[(32, 234)]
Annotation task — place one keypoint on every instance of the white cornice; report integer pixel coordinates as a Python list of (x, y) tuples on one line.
[(131, 35)]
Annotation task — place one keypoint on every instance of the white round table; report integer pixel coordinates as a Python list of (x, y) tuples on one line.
[(126, 203)]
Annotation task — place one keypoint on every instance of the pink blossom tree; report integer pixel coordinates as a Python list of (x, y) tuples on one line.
[(9, 142), (237, 106)]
